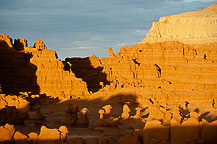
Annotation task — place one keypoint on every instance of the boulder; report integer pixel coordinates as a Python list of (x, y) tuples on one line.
[(20, 138), (6, 133)]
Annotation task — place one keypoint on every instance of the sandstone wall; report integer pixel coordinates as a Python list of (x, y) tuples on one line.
[(16, 72), (89, 69), (170, 72), (52, 78), (36, 69)]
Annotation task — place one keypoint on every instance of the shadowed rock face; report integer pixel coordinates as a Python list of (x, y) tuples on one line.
[(36, 70), (90, 70), (16, 72)]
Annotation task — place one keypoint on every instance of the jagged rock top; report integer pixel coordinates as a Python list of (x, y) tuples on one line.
[(39, 45), (190, 27), (5, 41)]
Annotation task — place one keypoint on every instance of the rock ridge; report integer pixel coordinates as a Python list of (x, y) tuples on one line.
[(190, 27)]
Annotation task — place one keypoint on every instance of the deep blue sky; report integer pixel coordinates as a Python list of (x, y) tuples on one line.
[(86, 27)]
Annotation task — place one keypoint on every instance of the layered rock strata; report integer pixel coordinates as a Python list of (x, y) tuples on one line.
[(191, 27), (170, 72), (52, 79), (36, 69)]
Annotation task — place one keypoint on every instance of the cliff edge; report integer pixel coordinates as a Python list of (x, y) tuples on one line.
[(190, 27)]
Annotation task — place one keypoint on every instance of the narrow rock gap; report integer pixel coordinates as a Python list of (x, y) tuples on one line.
[(158, 69)]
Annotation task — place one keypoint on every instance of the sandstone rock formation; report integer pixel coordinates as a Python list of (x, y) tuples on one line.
[(20, 138), (36, 69), (83, 120), (6, 133), (191, 27), (138, 113), (51, 77), (20, 103), (101, 112), (187, 73), (57, 135), (126, 110), (89, 69), (168, 81), (32, 138), (107, 109), (17, 73)]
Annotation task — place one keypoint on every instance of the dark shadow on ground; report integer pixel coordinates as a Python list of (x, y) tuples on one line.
[(17, 74), (54, 113), (82, 68), (116, 101), (11, 115), (18, 116)]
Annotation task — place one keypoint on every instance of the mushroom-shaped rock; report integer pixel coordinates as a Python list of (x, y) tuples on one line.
[(47, 134), (138, 113), (126, 110), (83, 120), (32, 138), (177, 115), (84, 111), (20, 138), (107, 109), (63, 132), (101, 112), (10, 128), (6, 133)]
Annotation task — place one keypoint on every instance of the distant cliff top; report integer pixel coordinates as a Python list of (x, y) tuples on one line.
[(190, 27), (210, 11)]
